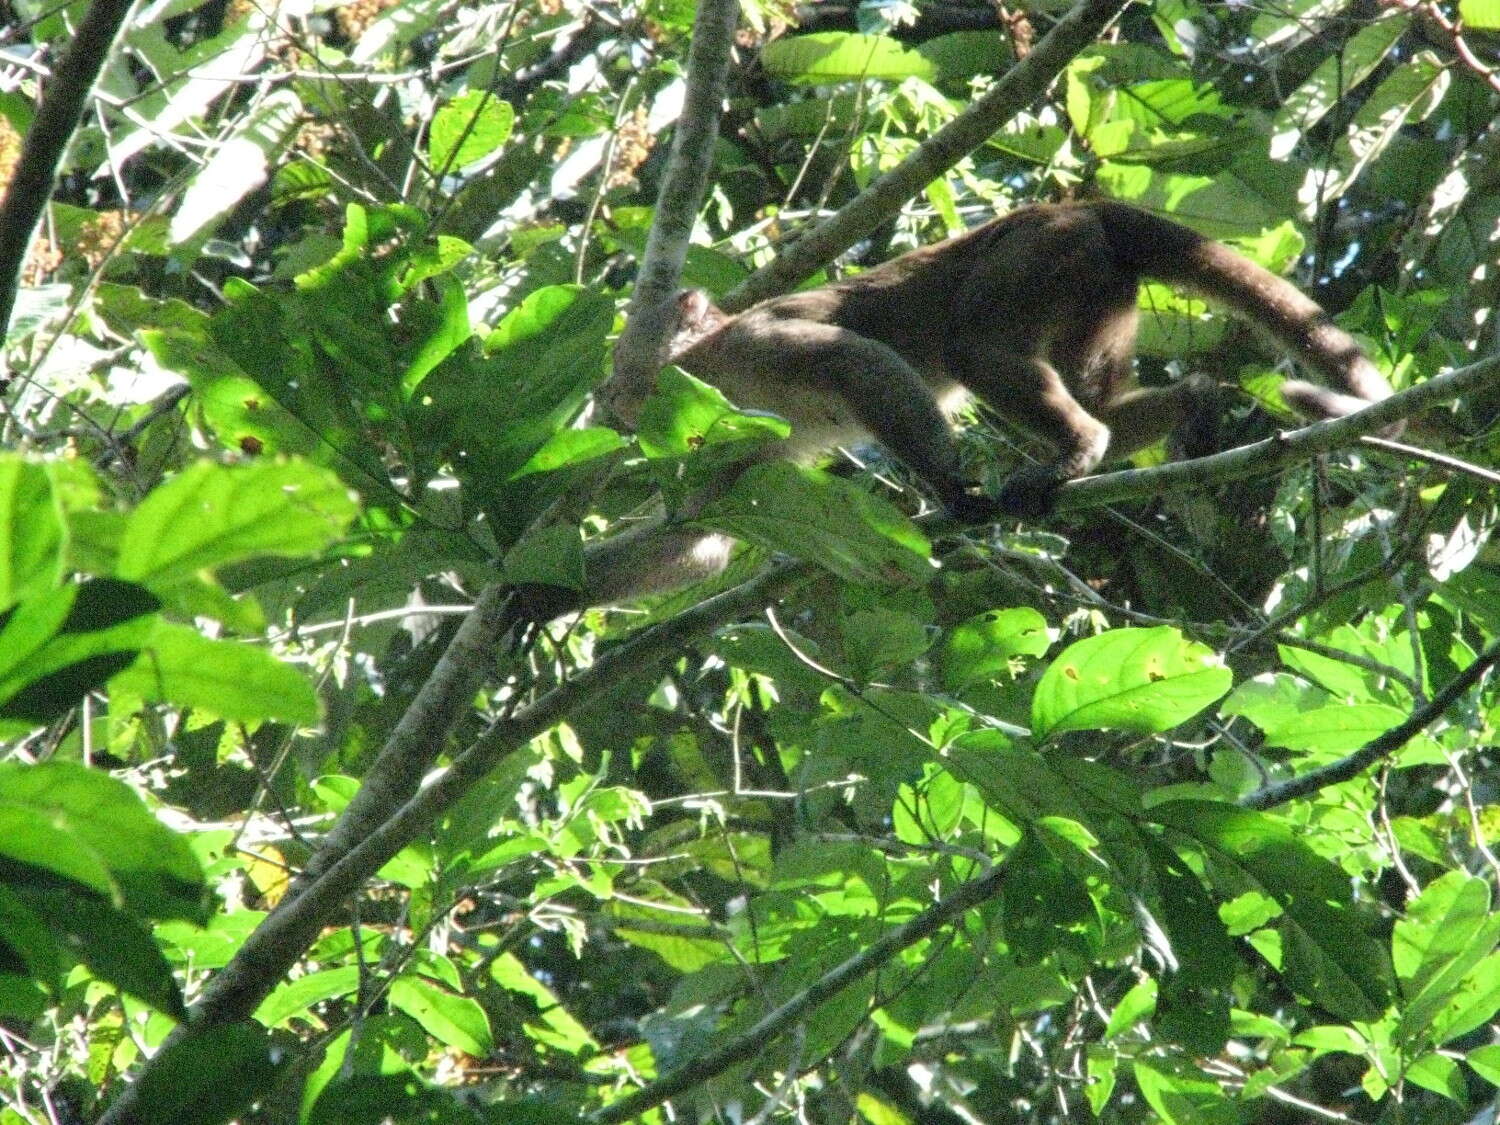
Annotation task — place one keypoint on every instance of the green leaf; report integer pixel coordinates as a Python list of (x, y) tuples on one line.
[(1479, 15), (1145, 680), (1183, 1095), (469, 128), (985, 647), (112, 944), (1446, 921), (229, 679), (457, 1021), (1334, 77), (294, 997), (32, 535), (552, 556), (1439, 1074), (826, 57), (684, 415), (56, 648), (212, 1075), (209, 515), (1407, 95), (1328, 953), (1486, 1062), (880, 640), (826, 520), (85, 826), (1472, 1002), (1136, 1006)]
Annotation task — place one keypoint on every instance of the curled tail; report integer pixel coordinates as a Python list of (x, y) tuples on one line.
[(1166, 251)]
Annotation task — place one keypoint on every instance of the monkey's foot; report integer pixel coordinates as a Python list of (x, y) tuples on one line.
[(972, 507), (1030, 492)]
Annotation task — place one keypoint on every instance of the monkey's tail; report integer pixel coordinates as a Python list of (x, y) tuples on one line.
[(1158, 248)]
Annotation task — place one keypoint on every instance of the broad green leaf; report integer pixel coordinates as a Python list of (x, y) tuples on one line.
[(56, 648), (1480, 15), (987, 646), (826, 57), (230, 679), (1486, 1062), (114, 946), (455, 1021), (211, 1076), (32, 532), (552, 556), (469, 128), (1136, 1006), (386, 1045), (1328, 953), (1473, 1001), (1183, 1095), (882, 640), (85, 826), (1334, 729), (28, 945), (293, 997), (238, 166), (1409, 94), (832, 522), (1439, 1074), (571, 447), (209, 515), (489, 415), (1145, 680), (1205, 956), (555, 1025), (1440, 925), (1334, 77), (686, 415)]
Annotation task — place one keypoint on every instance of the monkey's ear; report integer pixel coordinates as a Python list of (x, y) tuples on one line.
[(693, 305)]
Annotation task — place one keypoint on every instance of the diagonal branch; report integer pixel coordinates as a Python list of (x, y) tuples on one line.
[(754, 1039), (649, 318), (1283, 449), (1021, 85), (56, 120), (1352, 765)]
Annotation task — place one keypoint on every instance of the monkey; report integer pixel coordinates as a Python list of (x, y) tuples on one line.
[(1034, 313)]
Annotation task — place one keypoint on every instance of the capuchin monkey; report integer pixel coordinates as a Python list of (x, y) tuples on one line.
[(1034, 313)]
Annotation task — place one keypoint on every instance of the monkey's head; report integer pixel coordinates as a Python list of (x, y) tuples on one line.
[(697, 316), (689, 317)]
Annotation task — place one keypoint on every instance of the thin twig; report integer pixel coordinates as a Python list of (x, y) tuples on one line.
[(56, 120), (1352, 765)]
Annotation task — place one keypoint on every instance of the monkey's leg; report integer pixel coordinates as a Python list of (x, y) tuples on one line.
[(835, 385), (1146, 415), (650, 559), (1031, 394)]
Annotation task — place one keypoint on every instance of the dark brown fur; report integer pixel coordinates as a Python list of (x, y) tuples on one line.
[(1035, 313)]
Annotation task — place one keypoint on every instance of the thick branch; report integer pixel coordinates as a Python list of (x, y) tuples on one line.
[(648, 320), (1021, 85), (276, 944), (56, 120), (1352, 765), (773, 1023), (1283, 449)]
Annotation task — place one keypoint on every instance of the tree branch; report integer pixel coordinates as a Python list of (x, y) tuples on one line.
[(754, 1039), (1283, 449), (1021, 85), (649, 319), (56, 121), (1352, 765), (371, 830)]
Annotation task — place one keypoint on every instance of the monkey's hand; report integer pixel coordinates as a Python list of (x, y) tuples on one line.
[(1029, 492)]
